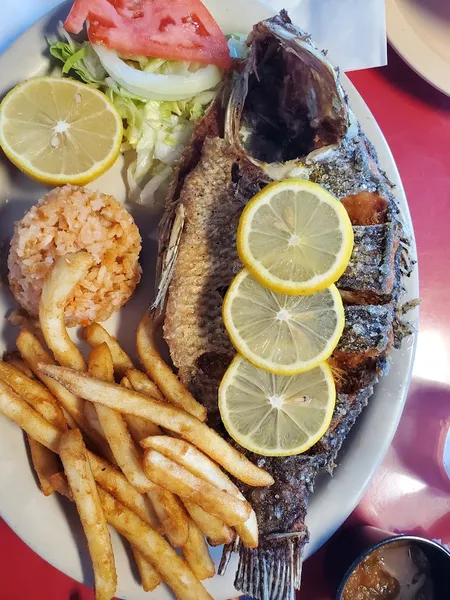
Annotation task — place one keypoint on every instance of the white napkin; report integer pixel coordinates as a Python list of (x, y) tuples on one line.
[(354, 31)]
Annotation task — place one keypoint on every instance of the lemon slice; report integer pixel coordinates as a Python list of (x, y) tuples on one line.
[(280, 333), (59, 131), (276, 415), (295, 237)]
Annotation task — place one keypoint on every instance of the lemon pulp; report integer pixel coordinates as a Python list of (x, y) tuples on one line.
[(275, 415), (280, 333), (59, 131), (295, 237)]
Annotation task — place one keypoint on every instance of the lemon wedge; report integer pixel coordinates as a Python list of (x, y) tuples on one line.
[(59, 131), (280, 333), (295, 237), (275, 415)]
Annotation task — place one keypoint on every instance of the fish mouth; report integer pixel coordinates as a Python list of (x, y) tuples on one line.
[(287, 103)]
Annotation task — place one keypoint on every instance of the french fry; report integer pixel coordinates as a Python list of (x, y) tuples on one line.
[(170, 417), (61, 485), (45, 463), (21, 413), (69, 420), (95, 335), (180, 481), (15, 360), (90, 414), (34, 393), (113, 424), (161, 510), (150, 578), (33, 353), (139, 428), (200, 465), (125, 382), (196, 554), (166, 380), (85, 494), (215, 530), (142, 384), (115, 482), (100, 363), (59, 285), (162, 556), (171, 514), (168, 509)]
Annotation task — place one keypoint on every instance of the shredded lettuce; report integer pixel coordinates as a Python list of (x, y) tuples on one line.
[(157, 131), (79, 58)]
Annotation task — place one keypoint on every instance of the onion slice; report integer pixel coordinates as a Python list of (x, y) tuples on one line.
[(154, 86)]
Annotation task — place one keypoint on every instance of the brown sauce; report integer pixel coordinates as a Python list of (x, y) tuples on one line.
[(370, 581), (397, 571)]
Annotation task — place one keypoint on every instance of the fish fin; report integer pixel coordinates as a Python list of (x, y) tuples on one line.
[(167, 259), (272, 571)]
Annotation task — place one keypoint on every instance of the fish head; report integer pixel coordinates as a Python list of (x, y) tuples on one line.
[(287, 107)]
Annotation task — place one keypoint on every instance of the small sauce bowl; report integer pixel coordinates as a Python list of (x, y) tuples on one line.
[(388, 564)]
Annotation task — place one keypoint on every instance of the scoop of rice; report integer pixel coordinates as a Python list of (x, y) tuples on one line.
[(69, 219)]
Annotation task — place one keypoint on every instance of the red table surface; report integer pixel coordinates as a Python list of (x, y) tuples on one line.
[(408, 492)]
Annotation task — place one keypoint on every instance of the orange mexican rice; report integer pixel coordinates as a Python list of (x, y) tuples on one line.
[(69, 219)]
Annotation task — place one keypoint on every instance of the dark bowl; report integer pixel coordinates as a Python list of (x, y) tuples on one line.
[(356, 544)]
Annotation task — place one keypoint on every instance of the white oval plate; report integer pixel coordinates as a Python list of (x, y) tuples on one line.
[(419, 30), (50, 525)]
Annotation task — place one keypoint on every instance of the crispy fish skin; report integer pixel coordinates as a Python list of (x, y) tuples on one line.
[(213, 185), (207, 260), (370, 275)]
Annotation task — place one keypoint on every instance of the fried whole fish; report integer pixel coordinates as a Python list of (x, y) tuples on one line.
[(282, 114)]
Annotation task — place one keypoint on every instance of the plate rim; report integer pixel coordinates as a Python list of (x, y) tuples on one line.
[(401, 197), (422, 59)]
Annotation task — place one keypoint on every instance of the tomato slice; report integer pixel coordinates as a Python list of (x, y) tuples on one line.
[(170, 29)]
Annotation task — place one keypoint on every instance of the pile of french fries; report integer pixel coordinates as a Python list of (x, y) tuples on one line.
[(129, 447)]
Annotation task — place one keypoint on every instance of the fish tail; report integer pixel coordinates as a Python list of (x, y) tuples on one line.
[(272, 571)]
